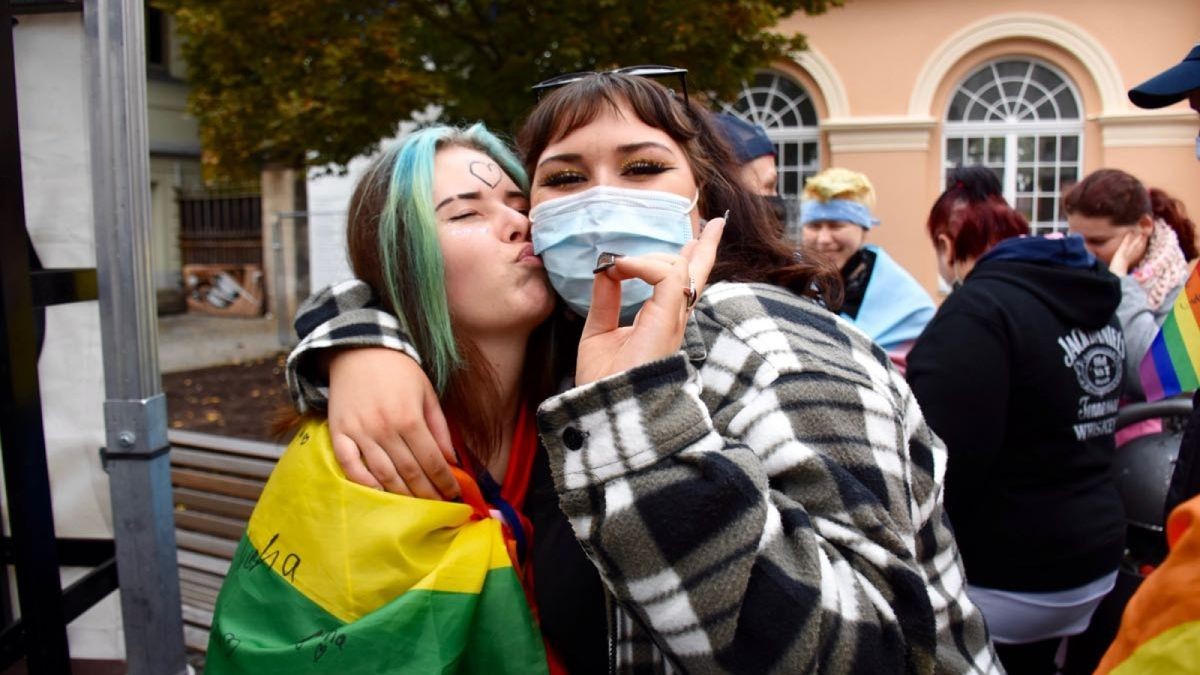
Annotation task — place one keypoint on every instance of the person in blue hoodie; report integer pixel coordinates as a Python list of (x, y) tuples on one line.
[(1020, 373), (880, 296)]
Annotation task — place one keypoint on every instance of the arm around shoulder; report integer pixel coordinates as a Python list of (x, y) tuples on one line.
[(346, 314)]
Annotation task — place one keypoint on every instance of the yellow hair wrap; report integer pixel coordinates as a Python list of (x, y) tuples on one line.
[(840, 184)]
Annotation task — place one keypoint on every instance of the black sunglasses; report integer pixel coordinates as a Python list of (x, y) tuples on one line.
[(637, 71)]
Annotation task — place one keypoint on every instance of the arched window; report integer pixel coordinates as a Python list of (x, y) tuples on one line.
[(1021, 119), (785, 110)]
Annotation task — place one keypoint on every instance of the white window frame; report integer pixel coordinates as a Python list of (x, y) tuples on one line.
[(768, 118), (1012, 130)]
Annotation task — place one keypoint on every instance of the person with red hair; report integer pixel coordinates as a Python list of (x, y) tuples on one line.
[(1020, 372)]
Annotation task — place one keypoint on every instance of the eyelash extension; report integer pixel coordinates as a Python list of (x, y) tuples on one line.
[(563, 177), (643, 167)]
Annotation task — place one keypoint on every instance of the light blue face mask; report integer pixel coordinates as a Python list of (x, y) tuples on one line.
[(570, 233)]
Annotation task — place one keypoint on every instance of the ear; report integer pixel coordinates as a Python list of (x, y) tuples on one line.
[(1146, 223), (945, 248)]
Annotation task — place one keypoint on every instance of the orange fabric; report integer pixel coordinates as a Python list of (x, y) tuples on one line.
[(1167, 598), (516, 484)]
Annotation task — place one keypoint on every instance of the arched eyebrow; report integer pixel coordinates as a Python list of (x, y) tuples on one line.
[(628, 148), (634, 147)]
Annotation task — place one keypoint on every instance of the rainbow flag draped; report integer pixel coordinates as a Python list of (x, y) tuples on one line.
[(332, 577), (1172, 364), (1160, 629)]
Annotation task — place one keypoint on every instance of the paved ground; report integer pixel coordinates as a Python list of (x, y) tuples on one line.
[(222, 375), (190, 341)]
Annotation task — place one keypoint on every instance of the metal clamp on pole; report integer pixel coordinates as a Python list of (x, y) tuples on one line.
[(136, 429)]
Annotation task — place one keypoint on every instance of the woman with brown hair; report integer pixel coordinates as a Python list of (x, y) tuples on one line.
[(749, 476), (1146, 239)]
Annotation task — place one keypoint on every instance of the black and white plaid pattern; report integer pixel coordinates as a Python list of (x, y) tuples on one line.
[(346, 314), (769, 499), (766, 500)]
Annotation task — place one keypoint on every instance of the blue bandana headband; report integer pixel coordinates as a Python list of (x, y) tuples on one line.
[(812, 210)]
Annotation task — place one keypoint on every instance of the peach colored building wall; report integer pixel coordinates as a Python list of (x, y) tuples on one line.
[(881, 74)]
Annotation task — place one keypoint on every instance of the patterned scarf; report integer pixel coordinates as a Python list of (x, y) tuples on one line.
[(1163, 267)]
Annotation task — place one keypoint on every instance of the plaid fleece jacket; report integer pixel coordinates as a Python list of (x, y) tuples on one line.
[(769, 499)]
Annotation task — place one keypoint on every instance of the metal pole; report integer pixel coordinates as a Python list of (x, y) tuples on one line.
[(283, 317), (282, 329), (26, 478), (135, 409)]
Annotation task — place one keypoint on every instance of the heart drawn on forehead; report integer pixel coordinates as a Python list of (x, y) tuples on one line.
[(487, 172)]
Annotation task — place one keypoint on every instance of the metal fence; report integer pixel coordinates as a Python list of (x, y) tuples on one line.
[(220, 227)]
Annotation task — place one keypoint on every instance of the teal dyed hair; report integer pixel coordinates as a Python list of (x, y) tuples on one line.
[(412, 268)]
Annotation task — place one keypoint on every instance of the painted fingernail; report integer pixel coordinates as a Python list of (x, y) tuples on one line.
[(605, 261), (726, 217)]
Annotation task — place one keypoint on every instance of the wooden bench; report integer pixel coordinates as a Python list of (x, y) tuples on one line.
[(216, 481)]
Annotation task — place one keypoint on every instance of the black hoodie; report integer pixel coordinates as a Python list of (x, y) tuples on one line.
[(1019, 373)]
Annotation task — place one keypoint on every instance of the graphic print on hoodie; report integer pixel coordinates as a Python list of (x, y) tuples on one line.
[(1097, 358)]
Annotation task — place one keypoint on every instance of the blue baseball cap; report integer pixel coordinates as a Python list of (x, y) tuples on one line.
[(749, 141), (1171, 85)]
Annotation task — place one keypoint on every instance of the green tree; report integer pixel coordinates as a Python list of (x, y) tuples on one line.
[(316, 82)]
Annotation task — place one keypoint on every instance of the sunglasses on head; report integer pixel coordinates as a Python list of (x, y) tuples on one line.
[(637, 71)]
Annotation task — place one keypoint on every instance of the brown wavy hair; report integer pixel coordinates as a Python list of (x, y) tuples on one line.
[(751, 249), (1172, 212), (1109, 193), (1121, 197)]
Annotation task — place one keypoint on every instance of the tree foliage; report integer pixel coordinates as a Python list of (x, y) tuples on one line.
[(320, 81)]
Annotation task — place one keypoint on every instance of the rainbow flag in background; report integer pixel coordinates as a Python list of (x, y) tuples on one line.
[(1172, 364), (333, 577)]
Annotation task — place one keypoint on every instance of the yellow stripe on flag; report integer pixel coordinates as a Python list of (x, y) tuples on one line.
[(1171, 652), (353, 549)]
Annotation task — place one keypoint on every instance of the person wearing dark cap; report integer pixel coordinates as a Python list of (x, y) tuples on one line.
[(1172, 85), (754, 151)]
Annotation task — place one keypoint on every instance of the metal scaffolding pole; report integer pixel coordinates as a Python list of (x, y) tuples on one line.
[(135, 409), (41, 634)]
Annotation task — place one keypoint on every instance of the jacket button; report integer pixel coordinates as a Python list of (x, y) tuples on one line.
[(572, 438)]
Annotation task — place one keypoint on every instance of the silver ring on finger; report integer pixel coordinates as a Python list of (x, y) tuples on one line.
[(690, 293)]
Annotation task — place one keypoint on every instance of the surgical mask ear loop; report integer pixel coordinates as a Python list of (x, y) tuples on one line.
[(695, 201)]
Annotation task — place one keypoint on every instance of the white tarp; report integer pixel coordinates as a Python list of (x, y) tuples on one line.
[(50, 53)]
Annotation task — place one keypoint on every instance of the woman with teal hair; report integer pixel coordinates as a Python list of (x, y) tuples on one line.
[(334, 574)]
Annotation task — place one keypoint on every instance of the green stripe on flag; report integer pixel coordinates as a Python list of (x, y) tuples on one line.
[(1184, 369), (263, 625)]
